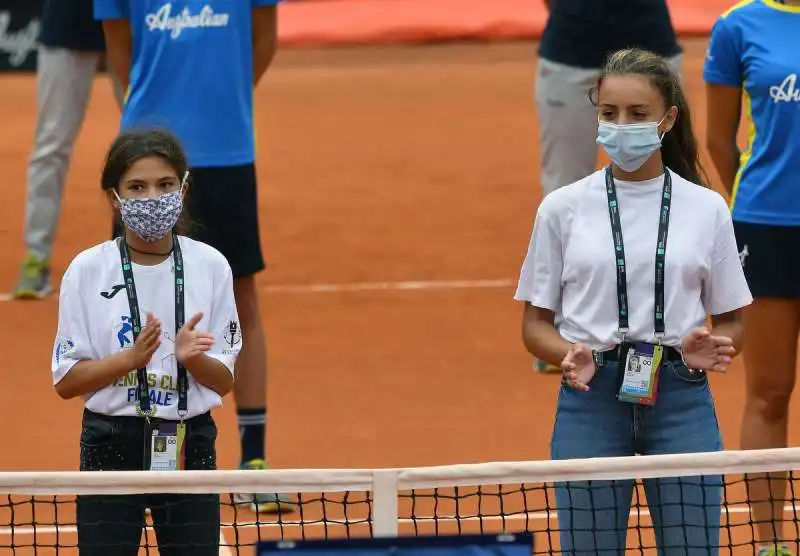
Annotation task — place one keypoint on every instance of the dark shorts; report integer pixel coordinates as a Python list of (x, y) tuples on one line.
[(767, 254), (222, 205)]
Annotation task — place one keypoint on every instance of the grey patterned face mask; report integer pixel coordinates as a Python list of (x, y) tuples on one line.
[(152, 218)]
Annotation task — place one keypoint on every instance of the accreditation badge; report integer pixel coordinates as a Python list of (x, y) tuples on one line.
[(167, 442), (639, 383)]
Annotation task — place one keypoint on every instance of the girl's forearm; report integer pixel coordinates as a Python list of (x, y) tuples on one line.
[(544, 342), (89, 375)]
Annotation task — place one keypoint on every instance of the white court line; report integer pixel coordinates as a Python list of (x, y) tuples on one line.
[(406, 285), (413, 285), (527, 516)]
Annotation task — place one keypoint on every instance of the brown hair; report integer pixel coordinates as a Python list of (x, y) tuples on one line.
[(133, 145), (679, 150)]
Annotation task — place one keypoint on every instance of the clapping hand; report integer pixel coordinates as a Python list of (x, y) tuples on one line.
[(191, 343), (147, 342), (578, 367), (702, 351)]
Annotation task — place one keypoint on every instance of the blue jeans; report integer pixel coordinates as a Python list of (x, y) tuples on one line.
[(593, 515)]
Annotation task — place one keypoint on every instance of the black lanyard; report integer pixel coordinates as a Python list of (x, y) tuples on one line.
[(619, 254), (130, 288)]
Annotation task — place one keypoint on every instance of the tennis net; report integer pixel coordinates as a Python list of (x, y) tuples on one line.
[(38, 509)]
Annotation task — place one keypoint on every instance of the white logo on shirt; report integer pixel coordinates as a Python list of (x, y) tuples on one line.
[(17, 44), (743, 255), (787, 91), (163, 20)]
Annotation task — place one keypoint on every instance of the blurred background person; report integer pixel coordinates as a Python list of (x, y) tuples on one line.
[(577, 39), (751, 57), (71, 51)]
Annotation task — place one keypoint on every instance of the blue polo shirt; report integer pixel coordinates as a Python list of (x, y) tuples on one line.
[(192, 73), (753, 47)]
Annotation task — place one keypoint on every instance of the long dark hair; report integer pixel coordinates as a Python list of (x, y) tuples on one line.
[(679, 150), (133, 145)]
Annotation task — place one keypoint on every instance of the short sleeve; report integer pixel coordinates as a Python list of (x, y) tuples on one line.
[(73, 340), (223, 322), (727, 288), (111, 9), (540, 278), (723, 64)]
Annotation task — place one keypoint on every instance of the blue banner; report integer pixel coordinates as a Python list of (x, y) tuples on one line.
[(515, 544)]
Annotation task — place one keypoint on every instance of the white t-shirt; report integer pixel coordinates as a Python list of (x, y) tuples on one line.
[(570, 268), (94, 322)]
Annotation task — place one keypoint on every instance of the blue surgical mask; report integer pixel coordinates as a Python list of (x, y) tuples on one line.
[(630, 145)]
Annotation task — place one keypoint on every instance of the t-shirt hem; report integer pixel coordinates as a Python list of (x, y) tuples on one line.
[(91, 48), (102, 16), (217, 161), (537, 302), (715, 78), (160, 414), (60, 374), (747, 217), (558, 55), (739, 303)]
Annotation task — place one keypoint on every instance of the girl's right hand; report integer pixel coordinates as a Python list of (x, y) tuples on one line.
[(147, 343), (578, 367)]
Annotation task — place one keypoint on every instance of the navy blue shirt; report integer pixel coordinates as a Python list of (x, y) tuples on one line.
[(70, 24), (583, 33)]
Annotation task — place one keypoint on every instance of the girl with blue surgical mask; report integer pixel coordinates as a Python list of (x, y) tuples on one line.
[(622, 270)]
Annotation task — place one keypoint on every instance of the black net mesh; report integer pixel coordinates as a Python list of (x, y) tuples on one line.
[(682, 515)]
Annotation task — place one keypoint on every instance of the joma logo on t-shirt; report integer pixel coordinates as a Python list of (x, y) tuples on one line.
[(163, 20)]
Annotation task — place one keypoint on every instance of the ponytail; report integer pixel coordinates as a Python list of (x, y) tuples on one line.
[(679, 150)]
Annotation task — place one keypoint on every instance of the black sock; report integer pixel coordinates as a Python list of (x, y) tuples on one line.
[(252, 430)]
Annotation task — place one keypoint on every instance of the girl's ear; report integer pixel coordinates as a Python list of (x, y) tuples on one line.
[(669, 119), (112, 199)]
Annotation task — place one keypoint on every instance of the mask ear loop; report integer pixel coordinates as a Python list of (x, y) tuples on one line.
[(180, 193), (186, 177), (663, 133)]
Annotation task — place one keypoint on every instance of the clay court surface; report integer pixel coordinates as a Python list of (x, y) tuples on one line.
[(398, 187)]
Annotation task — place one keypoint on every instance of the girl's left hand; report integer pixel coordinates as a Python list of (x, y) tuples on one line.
[(702, 351), (191, 343)]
